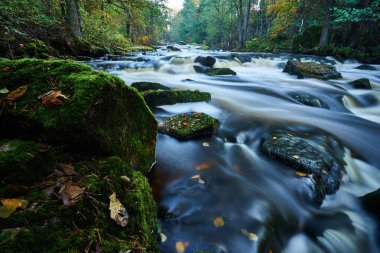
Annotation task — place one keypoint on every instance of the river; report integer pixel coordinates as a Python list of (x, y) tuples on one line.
[(222, 194)]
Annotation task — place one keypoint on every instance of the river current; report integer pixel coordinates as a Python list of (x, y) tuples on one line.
[(221, 193)]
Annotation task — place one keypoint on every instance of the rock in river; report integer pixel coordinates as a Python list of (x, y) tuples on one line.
[(171, 97), (207, 61), (189, 125), (214, 71), (365, 67), (362, 83), (311, 69), (146, 86), (309, 100)]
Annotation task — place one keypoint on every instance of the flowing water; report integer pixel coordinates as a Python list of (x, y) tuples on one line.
[(222, 194)]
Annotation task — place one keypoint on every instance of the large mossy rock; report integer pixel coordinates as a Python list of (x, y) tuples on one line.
[(102, 115), (171, 97), (53, 222), (146, 86), (306, 157), (189, 125), (362, 83), (214, 71), (311, 69)]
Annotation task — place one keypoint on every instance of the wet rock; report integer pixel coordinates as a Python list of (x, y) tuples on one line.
[(309, 100), (366, 67), (171, 97), (173, 48), (182, 43), (189, 125), (306, 157), (371, 204), (362, 83), (205, 61), (311, 69), (146, 86), (214, 71), (243, 58), (99, 114)]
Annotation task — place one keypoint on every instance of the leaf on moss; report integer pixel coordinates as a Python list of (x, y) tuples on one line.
[(6, 211), (16, 94), (52, 98), (71, 193), (6, 70), (4, 91), (16, 203), (118, 211), (66, 168)]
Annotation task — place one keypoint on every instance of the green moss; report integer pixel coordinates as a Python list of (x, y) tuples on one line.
[(170, 97), (102, 115), (146, 86), (311, 69), (189, 125), (23, 161), (220, 71)]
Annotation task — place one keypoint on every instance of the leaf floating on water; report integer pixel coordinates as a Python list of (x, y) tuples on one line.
[(66, 168), (52, 98), (274, 138), (181, 246), (201, 181), (301, 174), (6, 211), (71, 193), (196, 176), (16, 94), (206, 144), (296, 156), (250, 236), (219, 222), (202, 166), (163, 237), (118, 211), (4, 91)]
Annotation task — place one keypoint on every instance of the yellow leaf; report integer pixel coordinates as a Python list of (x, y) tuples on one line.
[(196, 176), (301, 174), (6, 211), (16, 203), (250, 236), (16, 94), (180, 247), (202, 166), (219, 222), (118, 211), (205, 144), (274, 138), (163, 237)]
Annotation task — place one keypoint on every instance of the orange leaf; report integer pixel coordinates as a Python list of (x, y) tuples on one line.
[(16, 94), (196, 176), (12, 202), (202, 166), (219, 222), (181, 246), (52, 98)]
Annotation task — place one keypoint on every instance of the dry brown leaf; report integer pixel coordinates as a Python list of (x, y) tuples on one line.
[(71, 193), (118, 211), (66, 168), (52, 98), (16, 94)]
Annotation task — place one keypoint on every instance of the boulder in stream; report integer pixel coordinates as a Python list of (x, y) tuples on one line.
[(189, 125), (173, 48), (309, 100), (365, 67), (311, 69), (214, 71), (146, 86), (207, 61), (171, 97), (72, 105), (362, 83), (306, 157)]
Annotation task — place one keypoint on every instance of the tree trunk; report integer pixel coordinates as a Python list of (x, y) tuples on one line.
[(74, 18), (325, 25), (240, 23), (357, 26), (246, 22)]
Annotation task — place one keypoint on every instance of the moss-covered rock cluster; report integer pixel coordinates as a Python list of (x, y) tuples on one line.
[(311, 69), (69, 140), (147, 86)]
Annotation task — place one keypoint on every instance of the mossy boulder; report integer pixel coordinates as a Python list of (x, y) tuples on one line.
[(49, 224), (311, 69), (189, 125), (24, 162), (214, 71), (146, 86), (173, 48), (307, 157), (366, 67), (309, 100), (171, 97), (101, 115), (207, 61), (362, 83)]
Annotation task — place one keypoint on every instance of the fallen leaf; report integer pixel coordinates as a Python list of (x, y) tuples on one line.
[(205, 144), (16, 203), (274, 138), (202, 166), (296, 156), (71, 193), (219, 222), (301, 174), (125, 179), (118, 211), (4, 91), (52, 98), (181, 246), (250, 236), (163, 237), (66, 168), (6, 211), (16, 94), (201, 181), (5, 70), (6, 148)]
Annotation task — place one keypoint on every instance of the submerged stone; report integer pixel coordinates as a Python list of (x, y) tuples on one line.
[(311, 69), (362, 83), (146, 86), (207, 61), (171, 97), (213, 71), (309, 100), (304, 156), (81, 109), (366, 67), (189, 125)]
